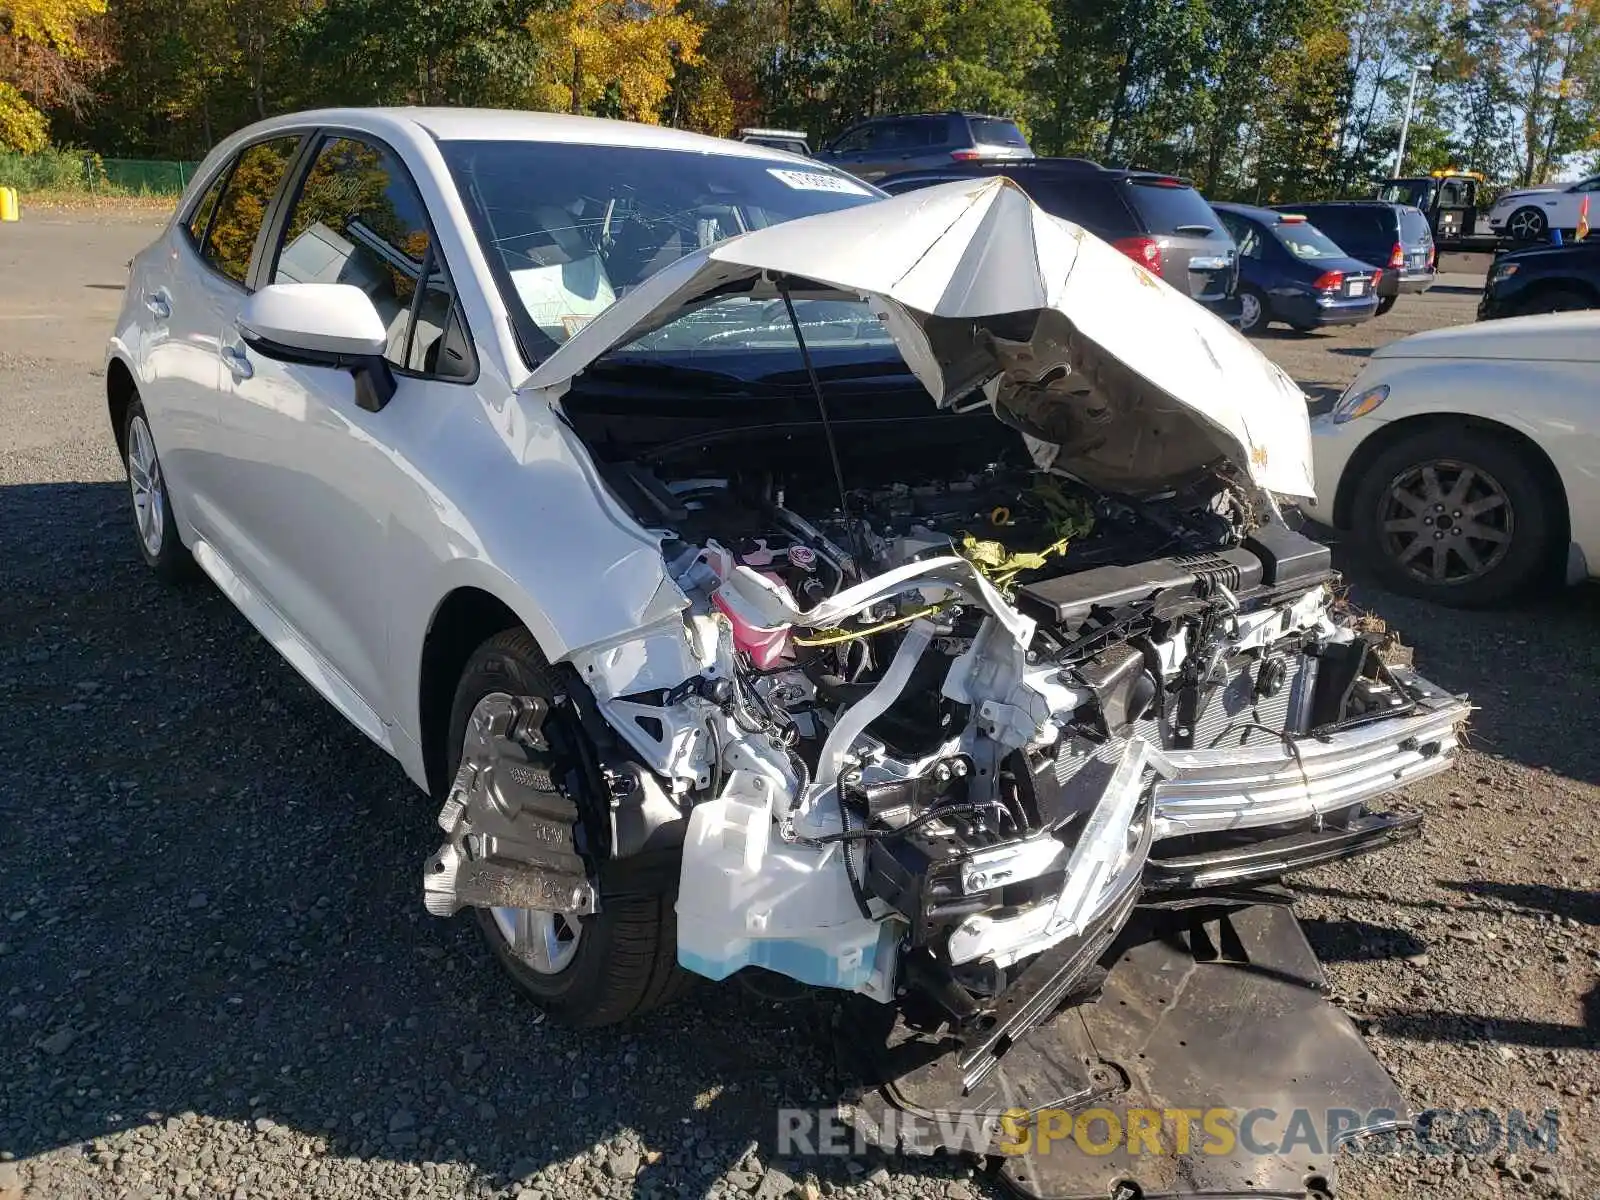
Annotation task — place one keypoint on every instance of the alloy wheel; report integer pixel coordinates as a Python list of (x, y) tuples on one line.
[(147, 486), (1446, 522), (545, 942), (1526, 224), (1249, 311)]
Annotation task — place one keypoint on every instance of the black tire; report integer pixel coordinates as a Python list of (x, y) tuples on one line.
[(1556, 300), (1263, 315), (1385, 303), (155, 529), (1526, 517), (1527, 224), (626, 961)]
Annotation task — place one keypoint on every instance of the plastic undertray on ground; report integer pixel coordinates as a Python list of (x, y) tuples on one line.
[(1212, 1007)]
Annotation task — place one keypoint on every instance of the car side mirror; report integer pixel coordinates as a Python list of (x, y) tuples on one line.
[(322, 325)]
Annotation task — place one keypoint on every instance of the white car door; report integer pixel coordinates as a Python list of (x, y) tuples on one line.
[(1572, 205), (190, 292), (323, 482)]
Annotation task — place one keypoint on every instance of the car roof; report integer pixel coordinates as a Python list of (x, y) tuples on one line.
[(1252, 212), (515, 125)]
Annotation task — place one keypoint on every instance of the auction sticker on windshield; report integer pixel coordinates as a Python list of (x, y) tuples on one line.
[(817, 181)]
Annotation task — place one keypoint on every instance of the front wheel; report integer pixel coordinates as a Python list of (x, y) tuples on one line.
[(1455, 516), (616, 963), (1385, 303), (1253, 316), (155, 528), (1527, 224)]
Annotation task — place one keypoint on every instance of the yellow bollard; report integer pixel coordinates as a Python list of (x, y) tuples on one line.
[(10, 210)]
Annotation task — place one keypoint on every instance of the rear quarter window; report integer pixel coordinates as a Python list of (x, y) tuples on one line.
[(1164, 208), (1414, 227), (990, 131), (1096, 204)]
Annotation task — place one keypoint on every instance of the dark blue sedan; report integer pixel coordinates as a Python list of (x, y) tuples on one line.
[(1290, 271)]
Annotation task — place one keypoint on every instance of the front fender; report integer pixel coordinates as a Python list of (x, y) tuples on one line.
[(1549, 403)]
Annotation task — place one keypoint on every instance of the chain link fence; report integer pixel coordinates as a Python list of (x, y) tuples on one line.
[(140, 176), (79, 171)]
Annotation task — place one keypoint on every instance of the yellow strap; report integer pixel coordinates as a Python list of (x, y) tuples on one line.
[(833, 637)]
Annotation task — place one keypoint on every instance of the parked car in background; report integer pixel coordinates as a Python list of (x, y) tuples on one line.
[(1529, 214), (1542, 279), (1290, 271), (882, 146), (1395, 237), (1461, 460), (791, 140), (1159, 221)]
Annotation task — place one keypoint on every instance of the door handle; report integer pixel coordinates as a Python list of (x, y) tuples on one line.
[(159, 304), (234, 358)]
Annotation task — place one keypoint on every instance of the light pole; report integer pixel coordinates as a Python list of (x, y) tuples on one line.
[(1405, 123)]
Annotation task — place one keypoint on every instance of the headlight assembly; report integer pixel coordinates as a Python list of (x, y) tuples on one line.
[(1503, 271), (1358, 404)]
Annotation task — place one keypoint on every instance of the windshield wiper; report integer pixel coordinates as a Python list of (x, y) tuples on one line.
[(1197, 230)]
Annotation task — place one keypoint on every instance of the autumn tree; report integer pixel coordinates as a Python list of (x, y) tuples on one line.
[(46, 57), (611, 57)]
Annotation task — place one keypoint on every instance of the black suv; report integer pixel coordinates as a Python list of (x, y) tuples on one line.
[(1395, 237), (882, 146), (1157, 220), (1542, 279)]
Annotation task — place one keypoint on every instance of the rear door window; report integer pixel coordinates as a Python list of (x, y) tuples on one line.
[(992, 131), (242, 207), (1173, 209), (1246, 233), (915, 133), (1095, 203)]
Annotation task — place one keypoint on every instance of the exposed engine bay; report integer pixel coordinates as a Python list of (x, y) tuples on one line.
[(948, 729)]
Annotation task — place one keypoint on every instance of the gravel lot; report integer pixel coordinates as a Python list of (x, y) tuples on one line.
[(218, 978)]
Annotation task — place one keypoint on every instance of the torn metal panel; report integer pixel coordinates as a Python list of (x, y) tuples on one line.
[(512, 836), (1216, 1009)]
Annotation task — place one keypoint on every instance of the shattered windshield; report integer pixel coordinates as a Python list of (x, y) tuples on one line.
[(569, 229)]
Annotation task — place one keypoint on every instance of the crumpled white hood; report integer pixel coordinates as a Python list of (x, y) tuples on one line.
[(1113, 375)]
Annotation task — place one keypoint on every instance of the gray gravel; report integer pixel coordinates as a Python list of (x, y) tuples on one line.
[(217, 979)]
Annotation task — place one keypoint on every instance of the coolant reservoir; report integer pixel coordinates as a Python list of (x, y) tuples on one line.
[(765, 645), (746, 898)]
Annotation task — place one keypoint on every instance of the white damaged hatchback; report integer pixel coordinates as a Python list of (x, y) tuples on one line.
[(764, 575)]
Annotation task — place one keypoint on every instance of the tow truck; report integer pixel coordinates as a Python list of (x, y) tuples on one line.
[(1450, 199)]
